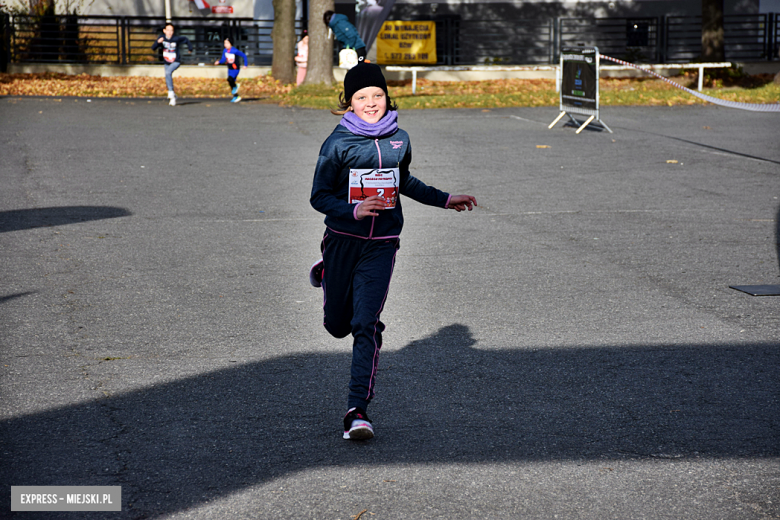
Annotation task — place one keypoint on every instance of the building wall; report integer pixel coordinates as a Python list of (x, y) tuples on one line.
[(179, 8), (487, 10), (419, 9), (769, 6)]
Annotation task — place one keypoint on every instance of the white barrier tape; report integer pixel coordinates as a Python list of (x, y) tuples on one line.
[(722, 102)]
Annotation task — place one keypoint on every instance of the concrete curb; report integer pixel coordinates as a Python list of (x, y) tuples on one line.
[(218, 72)]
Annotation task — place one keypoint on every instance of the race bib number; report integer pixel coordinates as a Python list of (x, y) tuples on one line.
[(169, 52), (230, 57), (365, 183)]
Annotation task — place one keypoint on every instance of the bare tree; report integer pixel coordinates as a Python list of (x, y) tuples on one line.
[(319, 69), (283, 35), (712, 39)]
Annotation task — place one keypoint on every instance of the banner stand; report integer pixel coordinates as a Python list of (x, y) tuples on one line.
[(579, 92)]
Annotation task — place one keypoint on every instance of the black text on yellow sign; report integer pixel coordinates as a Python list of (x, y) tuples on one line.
[(406, 43)]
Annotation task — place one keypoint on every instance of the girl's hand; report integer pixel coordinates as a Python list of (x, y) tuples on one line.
[(462, 202), (216, 62), (160, 39), (370, 206)]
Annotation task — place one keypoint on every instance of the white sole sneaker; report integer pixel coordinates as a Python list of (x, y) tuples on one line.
[(172, 102), (360, 431)]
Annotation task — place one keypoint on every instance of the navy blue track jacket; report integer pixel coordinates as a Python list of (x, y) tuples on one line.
[(344, 150), (172, 47)]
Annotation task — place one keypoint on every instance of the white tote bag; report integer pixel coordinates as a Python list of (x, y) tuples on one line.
[(348, 58)]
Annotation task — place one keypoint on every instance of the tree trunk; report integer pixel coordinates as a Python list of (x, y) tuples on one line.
[(283, 35), (320, 66), (712, 39)]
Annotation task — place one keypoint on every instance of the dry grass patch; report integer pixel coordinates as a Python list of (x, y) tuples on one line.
[(430, 94)]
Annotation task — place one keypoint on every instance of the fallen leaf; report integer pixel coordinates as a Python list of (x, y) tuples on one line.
[(671, 161), (542, 146)]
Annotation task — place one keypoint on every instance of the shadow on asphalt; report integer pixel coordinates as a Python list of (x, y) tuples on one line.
[(19, 219), (719, 149), (10, 297), (176, 445), (594, 126)]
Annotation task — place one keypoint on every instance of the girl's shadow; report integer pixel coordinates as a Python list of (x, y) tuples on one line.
[(440, 400)]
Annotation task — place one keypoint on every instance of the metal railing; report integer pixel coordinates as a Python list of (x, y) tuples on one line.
[(671, 39), (635, 39), (5, 37), (747, 37), (504, 42), (772, 38), (128, 40)]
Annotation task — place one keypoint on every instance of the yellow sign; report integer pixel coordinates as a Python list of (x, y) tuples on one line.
[(406, 43)]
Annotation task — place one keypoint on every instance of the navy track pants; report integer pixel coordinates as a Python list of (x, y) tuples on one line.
[(355, 282)]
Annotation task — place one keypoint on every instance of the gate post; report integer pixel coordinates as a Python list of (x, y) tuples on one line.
[(661, 43), (5, 41)]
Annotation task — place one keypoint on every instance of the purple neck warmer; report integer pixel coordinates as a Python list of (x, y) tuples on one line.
[(385, 126)]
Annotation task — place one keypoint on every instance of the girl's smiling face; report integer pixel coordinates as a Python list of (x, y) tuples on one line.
[(369, 104)]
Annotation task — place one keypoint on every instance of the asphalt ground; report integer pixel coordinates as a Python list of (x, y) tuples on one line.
[(569, 349)]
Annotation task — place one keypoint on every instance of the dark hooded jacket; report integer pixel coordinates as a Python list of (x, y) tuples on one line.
[(343, 151), (345, 32)]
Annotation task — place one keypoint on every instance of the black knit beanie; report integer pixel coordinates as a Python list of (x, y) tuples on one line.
[(361, 76)]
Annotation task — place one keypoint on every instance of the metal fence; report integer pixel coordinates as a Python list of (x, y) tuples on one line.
[(672, 39), (128, 40), (773, 36), (635, 39), (5, 35), (747, 37), (504, 42)]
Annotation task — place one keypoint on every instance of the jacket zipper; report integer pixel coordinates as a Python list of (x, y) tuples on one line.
[(373, 219)]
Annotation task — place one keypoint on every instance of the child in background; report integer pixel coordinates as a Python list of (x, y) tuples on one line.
[(234, 66), (362, 169), (345, 32), (172, 55), (302, 57)]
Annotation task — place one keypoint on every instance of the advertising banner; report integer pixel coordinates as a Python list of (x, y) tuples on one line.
[(206, 7), (579, 86), (406, 43), (580, 80)]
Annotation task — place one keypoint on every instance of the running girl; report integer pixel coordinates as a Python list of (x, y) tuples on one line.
[(361, 170)]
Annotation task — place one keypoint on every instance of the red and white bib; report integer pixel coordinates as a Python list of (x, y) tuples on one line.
[(364, 183), (169, 52)]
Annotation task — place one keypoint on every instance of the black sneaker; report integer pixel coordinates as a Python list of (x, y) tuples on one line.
[(315, 273), (357, 425)]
